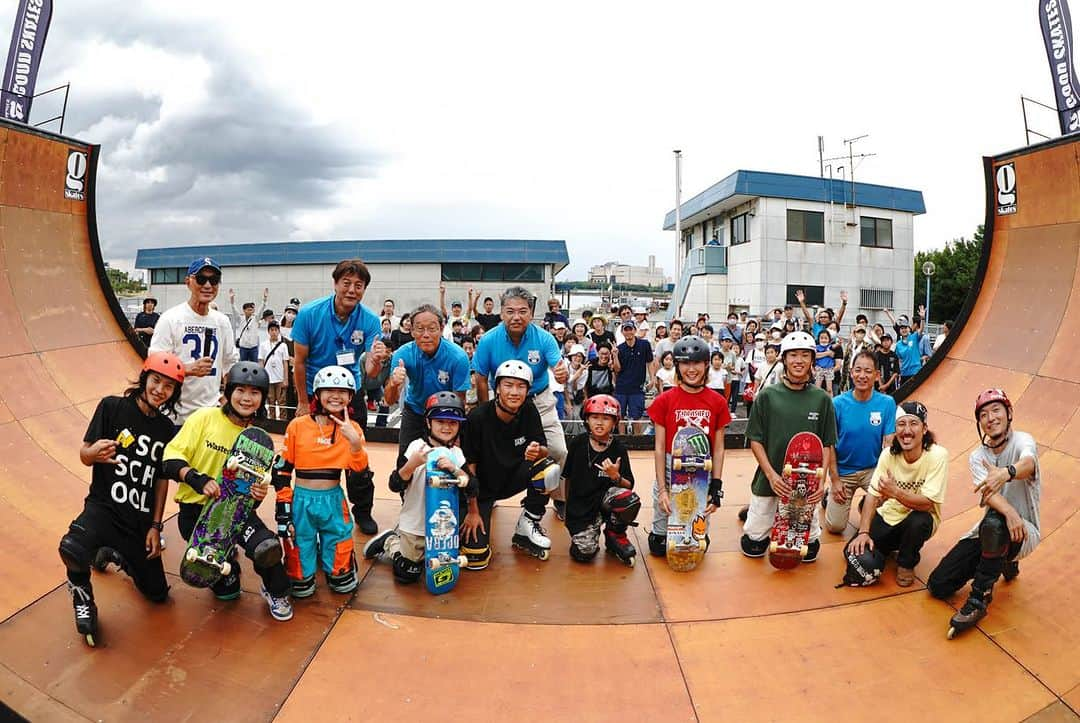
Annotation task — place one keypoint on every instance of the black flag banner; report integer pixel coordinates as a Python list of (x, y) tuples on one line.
[(24, 58), (1057, 35)]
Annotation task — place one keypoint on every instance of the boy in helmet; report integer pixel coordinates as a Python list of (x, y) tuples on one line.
[(599, 485), (689, 403), (121, 517), (780, 412), (403, 547), (1005, 471), (505, 450), (318, 448), (194, 458)]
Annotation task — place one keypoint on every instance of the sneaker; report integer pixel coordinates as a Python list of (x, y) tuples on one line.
[(812, 551), (743, 512), (1011, 571), (905, 576), (376, 545), (366, 523), (280, 607), (560, 509), (753, 548)]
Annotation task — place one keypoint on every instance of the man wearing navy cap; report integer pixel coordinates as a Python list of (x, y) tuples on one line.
[(202, 337)]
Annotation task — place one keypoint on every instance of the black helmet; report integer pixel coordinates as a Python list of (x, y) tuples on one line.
[(445, 405), (248, 373), (690, 349), (864, 569)]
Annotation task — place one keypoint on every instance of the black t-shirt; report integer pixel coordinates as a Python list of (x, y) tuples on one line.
[(399, 338), (143, 321), (604, 339), (497, 448), (888, 363), (598, 380), (488, 321), (127, 489), (586, 483)]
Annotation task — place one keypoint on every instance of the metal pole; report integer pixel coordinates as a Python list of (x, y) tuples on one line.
[(679, 260), (63, 111), (926, 321)]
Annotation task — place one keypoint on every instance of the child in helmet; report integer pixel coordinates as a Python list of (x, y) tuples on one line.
[(121, 517), (688, 403), (599, 485), (194, 458), (403, 546), (318, 448), (506, 451)]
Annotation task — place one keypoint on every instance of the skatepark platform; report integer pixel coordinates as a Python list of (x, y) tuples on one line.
[(527, 639)]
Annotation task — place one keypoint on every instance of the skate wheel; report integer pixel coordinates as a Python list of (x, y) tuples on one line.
[(676, 464), (951, 634), (631, 561), (191, 555), (232, 463), (462, 561), (708, 465), (226, 568), (90, 640), (820, 473), (787, 470), (463, 481), (804, 550), (544, 554), (773, 547), (267, 479)]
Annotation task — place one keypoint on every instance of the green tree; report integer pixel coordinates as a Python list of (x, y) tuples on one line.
[(122, 283), (956, 265)]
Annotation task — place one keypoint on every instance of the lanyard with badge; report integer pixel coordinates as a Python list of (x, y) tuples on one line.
[(346, 357)]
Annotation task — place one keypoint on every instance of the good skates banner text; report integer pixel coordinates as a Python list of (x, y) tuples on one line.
[(24, 58), (1057, 35)]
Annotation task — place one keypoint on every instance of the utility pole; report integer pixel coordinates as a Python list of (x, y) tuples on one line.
[(679, 260)]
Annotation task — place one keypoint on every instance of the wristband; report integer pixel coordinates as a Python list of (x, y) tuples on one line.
[(1012, 472), (157, 526), (863, 532)]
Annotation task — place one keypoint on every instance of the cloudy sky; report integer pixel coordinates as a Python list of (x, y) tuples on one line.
[(237, 122)]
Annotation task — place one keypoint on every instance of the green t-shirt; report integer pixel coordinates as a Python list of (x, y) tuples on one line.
[(778, 414)]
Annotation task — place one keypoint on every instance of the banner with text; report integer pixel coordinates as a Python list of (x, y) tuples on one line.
[(24, 58), (1057, 35)]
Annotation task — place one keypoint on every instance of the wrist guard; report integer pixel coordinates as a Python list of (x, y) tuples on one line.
[(283, 517), (716, 491), (196, 480)]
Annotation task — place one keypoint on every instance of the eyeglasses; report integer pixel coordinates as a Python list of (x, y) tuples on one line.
[(204, 280), (428, 330)]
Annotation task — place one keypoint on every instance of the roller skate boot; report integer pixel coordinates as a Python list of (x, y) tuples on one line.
[(530, 537)]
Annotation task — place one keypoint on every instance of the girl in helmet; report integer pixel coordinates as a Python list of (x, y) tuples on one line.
[(690, 402), (121, 517), (505, 449), (599, 486), (318, 448), (403, 546), (195, 457)]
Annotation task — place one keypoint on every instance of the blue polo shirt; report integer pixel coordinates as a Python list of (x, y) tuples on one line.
[(861, 427), (908, 351), (633, 365), (325, 336), (447, 370), (538, 349)]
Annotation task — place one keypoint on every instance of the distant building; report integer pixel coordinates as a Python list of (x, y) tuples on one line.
[(407, 271), (751, 240), (614, 272)]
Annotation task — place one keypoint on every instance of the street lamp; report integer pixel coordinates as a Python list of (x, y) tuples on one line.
[(928, 271)]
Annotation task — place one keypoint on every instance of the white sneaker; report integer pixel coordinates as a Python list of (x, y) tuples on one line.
[(280, 607)]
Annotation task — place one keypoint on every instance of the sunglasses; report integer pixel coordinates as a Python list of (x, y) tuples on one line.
[(203, 280)]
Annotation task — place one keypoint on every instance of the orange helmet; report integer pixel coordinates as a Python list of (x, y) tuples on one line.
[(601, 404), (990, 396), (166, 364)]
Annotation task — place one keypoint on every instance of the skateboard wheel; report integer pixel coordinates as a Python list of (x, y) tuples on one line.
[(804, 550), (462, 561), (820, 473), (90, 640), (631, 561), (787, 470), (191, 555), (232, 463), (951, 634), (267, 478), (773, 547), (226, 568), (463, 481), (708, 465), (676, 464)]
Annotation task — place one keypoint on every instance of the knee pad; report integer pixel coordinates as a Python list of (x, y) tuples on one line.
[(621, 506), (75, 555), (545, 475), (657, 544), (267, 553), (405, 570), (343, 583), (583, 553), (994, 535), (303, 588), (478, 557)]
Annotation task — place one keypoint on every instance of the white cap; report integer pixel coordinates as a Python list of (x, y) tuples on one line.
[(576, 349)]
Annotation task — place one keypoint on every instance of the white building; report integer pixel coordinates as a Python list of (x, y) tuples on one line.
[(627, 275), (753, 239), (407, 271)]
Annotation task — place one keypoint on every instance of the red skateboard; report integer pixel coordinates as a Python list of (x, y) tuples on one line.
[(794, 514)]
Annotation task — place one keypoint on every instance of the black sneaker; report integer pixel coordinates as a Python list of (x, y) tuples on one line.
[(376, 545), (753, 548), (743, 512), (1011, 570), (812, 551), (366, 523), (560, 509)]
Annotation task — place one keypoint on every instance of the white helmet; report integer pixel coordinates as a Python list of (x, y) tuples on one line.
[(798, 340), (334, 377), (514, 369)]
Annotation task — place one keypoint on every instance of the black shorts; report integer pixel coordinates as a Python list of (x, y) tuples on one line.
[(96, 528)]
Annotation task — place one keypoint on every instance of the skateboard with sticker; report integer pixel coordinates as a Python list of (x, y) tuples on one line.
[(691, 463), (803, 470), (442, 553)]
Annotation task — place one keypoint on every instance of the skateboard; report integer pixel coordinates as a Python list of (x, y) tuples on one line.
[(794, 515), (221, 521), (691, 462), (442, 558)]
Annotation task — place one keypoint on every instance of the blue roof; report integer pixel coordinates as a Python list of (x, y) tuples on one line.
[(390, 251), (802, 188)]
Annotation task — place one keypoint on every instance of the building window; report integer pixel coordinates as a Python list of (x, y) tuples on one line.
[(875, 232), (492, 272), (740, 229), (875, 298), (168, 276), (806, 226), (815, 295)]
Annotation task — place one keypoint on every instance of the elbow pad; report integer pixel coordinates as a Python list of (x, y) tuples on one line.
[(170, 468), (365, 476), (397, 482)]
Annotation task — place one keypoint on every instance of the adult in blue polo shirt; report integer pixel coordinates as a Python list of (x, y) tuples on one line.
[(516, 337), (431, 364), (337, 329), (865, 424), (631, 361)]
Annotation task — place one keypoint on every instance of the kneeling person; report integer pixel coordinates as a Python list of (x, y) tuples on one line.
[(903, 504)]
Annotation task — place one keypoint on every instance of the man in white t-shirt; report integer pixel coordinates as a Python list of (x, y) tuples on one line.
[(202, 337), (274, 356)]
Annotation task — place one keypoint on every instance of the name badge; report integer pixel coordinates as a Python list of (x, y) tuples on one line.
[(346, 358)]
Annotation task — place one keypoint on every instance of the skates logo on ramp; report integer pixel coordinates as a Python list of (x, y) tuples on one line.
[(1005, 180), (75, 183)]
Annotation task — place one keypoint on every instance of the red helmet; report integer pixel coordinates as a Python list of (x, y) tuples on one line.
[(166, 364), (601, 404), (990, 396)]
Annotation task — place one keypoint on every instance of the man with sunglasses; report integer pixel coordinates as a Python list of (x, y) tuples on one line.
[(201, 337)]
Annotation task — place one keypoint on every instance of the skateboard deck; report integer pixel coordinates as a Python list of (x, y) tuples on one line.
[(206, 559), (794, 515), (691, 463), (442, 554)]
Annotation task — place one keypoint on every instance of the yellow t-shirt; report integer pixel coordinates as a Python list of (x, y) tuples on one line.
[(204, 442), (928, 477)]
